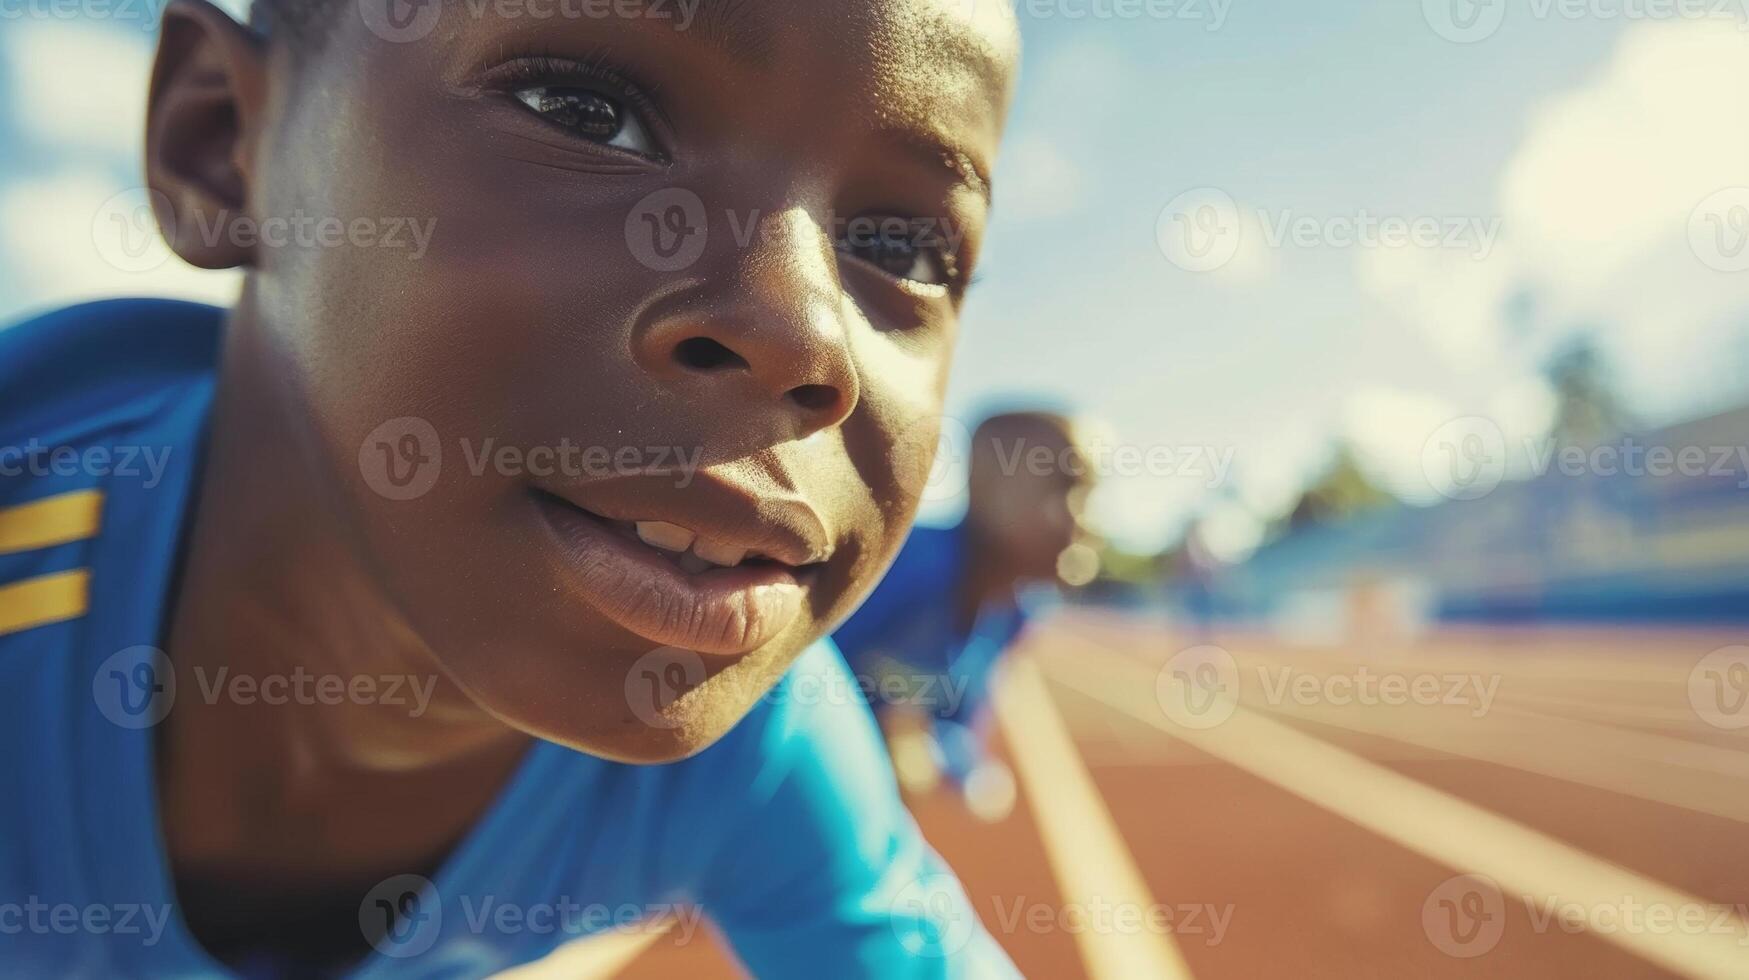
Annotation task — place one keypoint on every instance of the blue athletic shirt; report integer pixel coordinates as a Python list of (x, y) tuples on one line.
[(905, 644), (788, 833)]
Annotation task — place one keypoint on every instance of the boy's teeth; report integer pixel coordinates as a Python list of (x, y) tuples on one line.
[(718, 554), (668, 537), (695, 553)]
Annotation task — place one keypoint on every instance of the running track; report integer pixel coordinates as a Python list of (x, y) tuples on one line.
[(1291, 821)]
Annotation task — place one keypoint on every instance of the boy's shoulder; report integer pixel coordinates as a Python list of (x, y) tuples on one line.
[(102, 407), (74, 371)]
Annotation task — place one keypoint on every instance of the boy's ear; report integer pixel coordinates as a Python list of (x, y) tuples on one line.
[(203, 115)]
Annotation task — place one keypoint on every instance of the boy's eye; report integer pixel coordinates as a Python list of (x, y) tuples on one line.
[(903, 255), (591, 115)]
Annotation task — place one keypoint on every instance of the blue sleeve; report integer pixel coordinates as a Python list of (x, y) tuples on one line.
[(824, 873), (923, 575)]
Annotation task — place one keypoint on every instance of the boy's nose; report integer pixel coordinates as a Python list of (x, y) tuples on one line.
[(774, 335)]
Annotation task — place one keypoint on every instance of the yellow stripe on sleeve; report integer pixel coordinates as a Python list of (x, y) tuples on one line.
[(55, 520), (44, 599)]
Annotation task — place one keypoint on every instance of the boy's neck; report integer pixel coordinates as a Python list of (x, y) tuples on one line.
[(319, 788)]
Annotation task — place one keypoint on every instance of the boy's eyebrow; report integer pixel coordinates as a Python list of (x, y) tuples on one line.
[(732, 28), (932, 151)]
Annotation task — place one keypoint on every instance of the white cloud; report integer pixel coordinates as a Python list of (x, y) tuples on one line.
[(1614, 169), (1037, 180), (1596, 205), (1254, 259), (1455, 299), (79, 86), (1389, 429)]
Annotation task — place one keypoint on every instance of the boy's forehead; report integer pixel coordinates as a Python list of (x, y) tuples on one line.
[(927, 68), (945, 66), (920, 36)]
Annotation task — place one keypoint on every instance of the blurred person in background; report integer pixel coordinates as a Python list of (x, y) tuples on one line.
[(926, 644)]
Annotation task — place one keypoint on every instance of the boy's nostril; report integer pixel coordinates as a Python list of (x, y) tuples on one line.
[(705, 354), (815, 398)]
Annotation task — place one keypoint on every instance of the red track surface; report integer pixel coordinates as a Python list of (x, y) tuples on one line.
[(1311, 893)]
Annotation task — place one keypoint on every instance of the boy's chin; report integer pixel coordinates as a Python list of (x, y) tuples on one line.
[(647, 748), (647, 745), (664, 706)]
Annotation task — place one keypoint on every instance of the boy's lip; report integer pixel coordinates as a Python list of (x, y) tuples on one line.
[(720, 610)]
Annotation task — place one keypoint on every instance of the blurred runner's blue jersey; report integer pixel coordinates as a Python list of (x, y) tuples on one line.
[(906, 646), (787, 833)]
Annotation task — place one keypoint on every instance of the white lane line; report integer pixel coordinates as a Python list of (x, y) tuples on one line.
[(1647, 767), (1087, 854), (1437, 825)]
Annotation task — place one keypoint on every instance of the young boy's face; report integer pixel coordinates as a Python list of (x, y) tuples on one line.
[(659, 288)]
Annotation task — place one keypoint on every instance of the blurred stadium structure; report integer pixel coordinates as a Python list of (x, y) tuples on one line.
[(1668, 547)]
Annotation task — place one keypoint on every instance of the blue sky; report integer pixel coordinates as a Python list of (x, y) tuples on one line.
[(1562, 157)]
